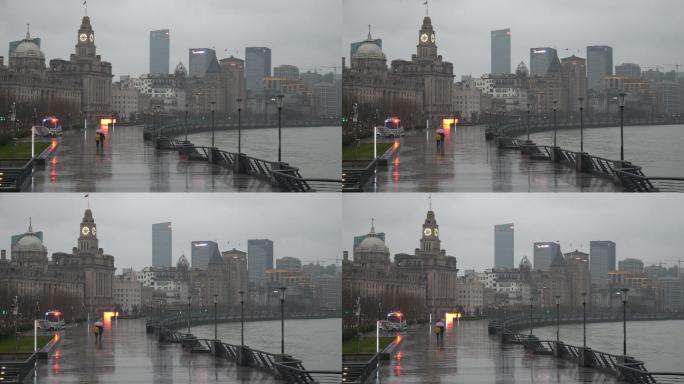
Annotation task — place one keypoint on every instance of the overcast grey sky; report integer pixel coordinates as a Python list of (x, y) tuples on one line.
[(303, 226), (644, 32), (306, 33), (644, 226)]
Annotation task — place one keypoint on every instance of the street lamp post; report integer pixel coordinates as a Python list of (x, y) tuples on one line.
[(555, 109), (584, 319), (186, 125), (581, 101), (282, 319), (189, 309), (624, 320), (528, 121), (279, 100), (242, 318), (531, 321), (557, 319), (239, 103), (215, 317), (622, 125), (213, 106)]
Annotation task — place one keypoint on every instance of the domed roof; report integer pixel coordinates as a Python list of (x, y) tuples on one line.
[(28, 49), (372, 243), (369, 49), (30, 242)]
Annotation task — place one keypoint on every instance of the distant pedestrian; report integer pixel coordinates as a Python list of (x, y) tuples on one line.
[(99, 329), (102, 140), (97, 140), (440, 327)]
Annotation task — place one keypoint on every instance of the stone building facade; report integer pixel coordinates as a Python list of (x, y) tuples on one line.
[(96, 267), (88, 68), (434, 75)]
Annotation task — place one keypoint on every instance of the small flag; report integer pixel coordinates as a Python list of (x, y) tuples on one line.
[(84, 2), (425, 3), (86, 195)]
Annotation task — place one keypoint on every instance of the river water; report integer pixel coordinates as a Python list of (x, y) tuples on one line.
[(657, 343), (315, 341), (659, 149), (316, 151)]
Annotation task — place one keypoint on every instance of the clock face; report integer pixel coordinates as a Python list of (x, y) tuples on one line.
[(436, 231), (427, 231), (83, 37), (94, 231), (424, 37), (92, 38), (432, 37), (85, 231)]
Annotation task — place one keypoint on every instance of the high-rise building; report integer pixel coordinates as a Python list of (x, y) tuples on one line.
[(259, 259), (285, 71), (201, 252), (631, 265), (501, 51), (289, 264), (257, 67), (159, 52), (161, 245), (633, 71), (503, 246), (233, 72), (601, 261), (577, 266), (540, 59), (575, 71), (599, 65), (544, 254), (201, 60)]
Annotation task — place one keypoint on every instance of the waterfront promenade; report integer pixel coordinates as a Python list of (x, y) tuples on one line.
[(129, 164), (468, 355), (469, 163), (127, 355)]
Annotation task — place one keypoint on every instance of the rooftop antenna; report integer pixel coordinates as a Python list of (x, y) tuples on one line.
[(87, 196), (85, 4), (427, 6), (430, 197), (372, 225)]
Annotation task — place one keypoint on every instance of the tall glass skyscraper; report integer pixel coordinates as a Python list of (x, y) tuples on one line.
[(544, 253), (503, 246), (201, 252), (601, 261), (501, 51), (599, 65), (540, 59), (257, 66), (259, 259), (200, 60), (159, 52), (161, 245)]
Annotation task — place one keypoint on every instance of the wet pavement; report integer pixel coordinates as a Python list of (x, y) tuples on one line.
[(128, 164), (128, 355), (469, 163), (469, 355)]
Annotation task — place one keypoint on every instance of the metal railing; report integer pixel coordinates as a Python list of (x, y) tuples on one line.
[(281, 175), (356, 174), (15, 367), (623, 173), (624, 367), (15, 174), (284, 367), (358, 372)]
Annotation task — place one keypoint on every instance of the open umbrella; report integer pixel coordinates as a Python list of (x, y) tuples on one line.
[(439, 130)]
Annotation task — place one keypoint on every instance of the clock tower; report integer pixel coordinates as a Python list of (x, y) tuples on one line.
[(426, 39), (85, 43), (429, 241), (87, 239)]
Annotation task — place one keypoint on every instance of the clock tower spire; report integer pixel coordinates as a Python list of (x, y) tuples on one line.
[(426, 39), (85, 43), (429, 242), (87, 239)]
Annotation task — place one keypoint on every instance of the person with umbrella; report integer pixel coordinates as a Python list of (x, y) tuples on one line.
[(439, 137), (439, 329), (99, 329)]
